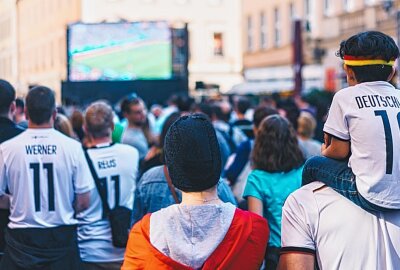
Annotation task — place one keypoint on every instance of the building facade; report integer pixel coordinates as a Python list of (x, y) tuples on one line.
[(213, 25), (8, 41), (42, 56), (267, 40)]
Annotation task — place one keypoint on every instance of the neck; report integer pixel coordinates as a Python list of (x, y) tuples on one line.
[(209, 196), (41, 126), (97, 141)]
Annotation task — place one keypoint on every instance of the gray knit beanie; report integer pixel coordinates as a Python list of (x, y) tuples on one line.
[(192, 153)]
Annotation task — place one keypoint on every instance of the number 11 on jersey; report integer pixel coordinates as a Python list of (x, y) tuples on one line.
[(36, 184)]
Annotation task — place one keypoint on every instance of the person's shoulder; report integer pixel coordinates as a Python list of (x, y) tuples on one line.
[(153, 175), (304, 197), (126, 148)]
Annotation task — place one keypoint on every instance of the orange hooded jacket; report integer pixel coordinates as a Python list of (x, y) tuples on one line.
[(243, 247)]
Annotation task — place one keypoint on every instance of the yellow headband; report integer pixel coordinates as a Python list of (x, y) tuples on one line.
[(368, 62)]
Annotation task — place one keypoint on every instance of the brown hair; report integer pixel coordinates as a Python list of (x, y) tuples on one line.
[(276, 148)]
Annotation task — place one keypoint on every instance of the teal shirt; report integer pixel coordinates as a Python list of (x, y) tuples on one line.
[(273, 189)]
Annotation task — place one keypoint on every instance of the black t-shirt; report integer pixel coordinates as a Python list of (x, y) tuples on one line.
[(8, 130)]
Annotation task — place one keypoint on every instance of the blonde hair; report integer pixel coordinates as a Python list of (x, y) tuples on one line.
[(63, 125), (306, 125), (99, 119)]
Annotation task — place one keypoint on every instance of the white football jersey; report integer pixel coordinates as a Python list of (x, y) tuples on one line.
[(368, 115), (117, 167), (43, 171), (319, 221)]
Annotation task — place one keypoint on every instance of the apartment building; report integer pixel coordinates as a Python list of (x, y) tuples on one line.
[(267, 40)]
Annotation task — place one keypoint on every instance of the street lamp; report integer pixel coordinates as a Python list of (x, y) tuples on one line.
[(389, 7)]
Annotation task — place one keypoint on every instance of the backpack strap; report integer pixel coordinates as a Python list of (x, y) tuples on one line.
[(100, 186)]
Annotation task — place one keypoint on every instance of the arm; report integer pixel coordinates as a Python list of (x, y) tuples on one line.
[(255, 205), (335, 148), (82, 202), (296, 261)]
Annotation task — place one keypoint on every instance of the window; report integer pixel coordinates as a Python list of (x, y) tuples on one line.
[(348, 5), (249, 33), (327, 7), (277, 28), (307, 9), (214, 2), (263, 31), (218, 44), (292, 16)]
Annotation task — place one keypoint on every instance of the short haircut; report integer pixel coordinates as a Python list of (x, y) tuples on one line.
[(374, 45), (306, 125), (40, 104), (19, 103), (7, 96), (243, 104), (276, 147), (133, 99), (261, 112), (99, 119)]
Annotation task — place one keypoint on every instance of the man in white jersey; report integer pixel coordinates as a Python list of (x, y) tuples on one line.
[(116, 166), (49, 182), (319, 226)]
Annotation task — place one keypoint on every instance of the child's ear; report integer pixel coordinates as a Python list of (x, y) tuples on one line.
[(351, 78), (391, 74)]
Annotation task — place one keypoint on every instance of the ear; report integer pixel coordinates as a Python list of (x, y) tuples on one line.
[(26, 113), (53, 115), (391, 74), (351, 78), (12, 108)]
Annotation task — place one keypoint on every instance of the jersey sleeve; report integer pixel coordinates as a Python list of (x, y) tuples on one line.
[(253, 187), (3, 179), (299, 218), (336, 124), (83, 180)]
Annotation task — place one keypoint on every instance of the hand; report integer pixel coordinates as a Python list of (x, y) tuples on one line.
[(323, 147), (327, 140)]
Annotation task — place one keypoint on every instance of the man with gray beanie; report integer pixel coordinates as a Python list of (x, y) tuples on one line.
[(201, 231)]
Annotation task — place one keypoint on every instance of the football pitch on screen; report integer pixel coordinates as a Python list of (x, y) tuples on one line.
[(150, 61)]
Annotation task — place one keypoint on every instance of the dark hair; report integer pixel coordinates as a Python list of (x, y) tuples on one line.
[(276, 147), (242, 105), (40, 104), (261, 112), (132, 99), (7, 96), (374, 45), (19, 103)]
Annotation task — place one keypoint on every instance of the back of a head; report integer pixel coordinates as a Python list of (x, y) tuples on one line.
[(276, 148), (19, 103), (7, 96), (306, 125), (63, 125), (370, 45), (99, 120), (40, 104), (242, 105), (261, 112), (192, 153)]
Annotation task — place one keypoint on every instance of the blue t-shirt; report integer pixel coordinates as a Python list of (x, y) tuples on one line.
[(273, 189)]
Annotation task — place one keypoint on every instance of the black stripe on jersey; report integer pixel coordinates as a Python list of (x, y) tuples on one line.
[(297, 249)]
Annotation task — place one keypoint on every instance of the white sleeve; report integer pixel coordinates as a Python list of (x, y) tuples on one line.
[(3, 179), (336, 124), (83, 180), (299, 220)]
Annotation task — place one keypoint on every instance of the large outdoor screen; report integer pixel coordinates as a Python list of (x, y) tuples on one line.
[(119, 51)]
